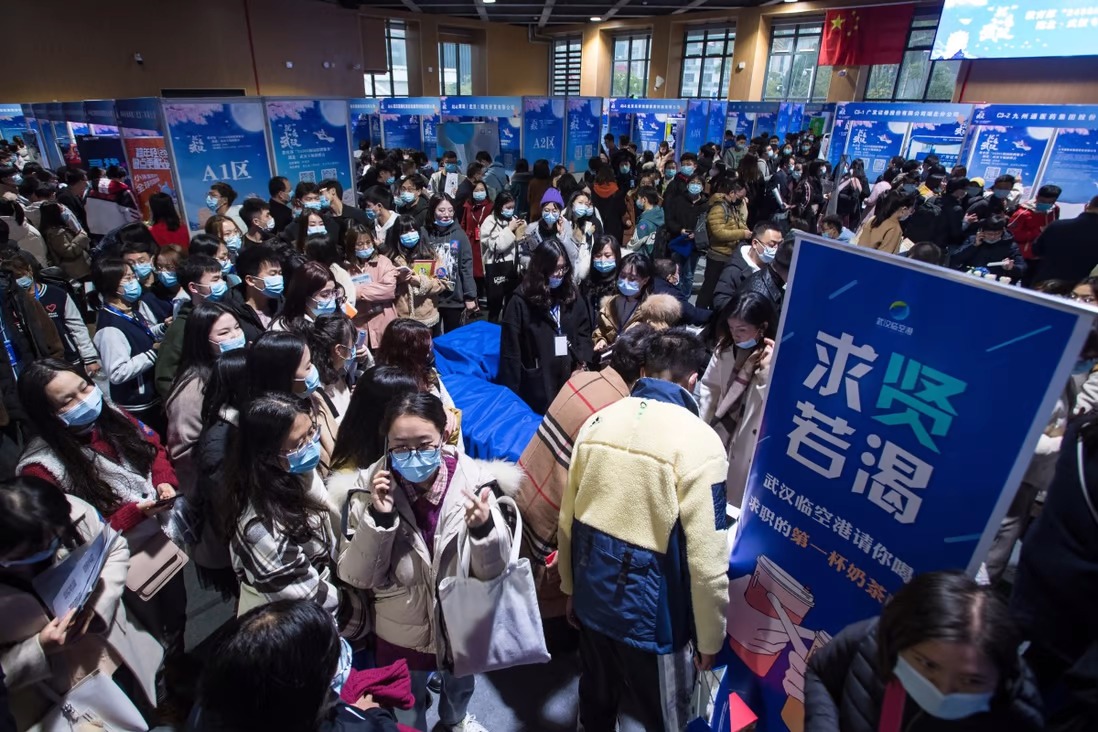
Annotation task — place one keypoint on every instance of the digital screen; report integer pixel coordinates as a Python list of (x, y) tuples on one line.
[(1018, 29)]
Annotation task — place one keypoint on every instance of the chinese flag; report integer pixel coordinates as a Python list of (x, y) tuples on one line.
[(866, 36)]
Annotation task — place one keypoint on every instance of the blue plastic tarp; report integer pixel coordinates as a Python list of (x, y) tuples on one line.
[(472, 350), (495, 423)]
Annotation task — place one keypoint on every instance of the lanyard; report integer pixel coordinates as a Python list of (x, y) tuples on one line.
[(554, 312), (135, 318)]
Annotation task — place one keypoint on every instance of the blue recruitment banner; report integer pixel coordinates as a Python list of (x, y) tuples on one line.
[(309, 139), (857, 476), (877, 131), (214, 141), (431, 123), (651, 130), (101, 117), (697, 126), (74, 112), (718, 117), (543, 128), (509, 130), (100, 152), (13, 122), (584, 123), (139, 116), (742, 117), (486, 107), (1024, 140), (669, 107), (365, 121), (789, 118), (402, 121)]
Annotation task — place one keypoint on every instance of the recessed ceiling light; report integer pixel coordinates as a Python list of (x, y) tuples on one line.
[(487, 2), (596, 19)]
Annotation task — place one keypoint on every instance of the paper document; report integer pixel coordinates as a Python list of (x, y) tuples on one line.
[(67, 586)]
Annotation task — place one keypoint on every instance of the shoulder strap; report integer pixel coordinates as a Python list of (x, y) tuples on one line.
[(892, 707)]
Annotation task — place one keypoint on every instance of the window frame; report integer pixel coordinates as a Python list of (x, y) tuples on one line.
[(920, 23), (459, 57), (629, 38), (725, 34), (572, 64), (801, 29), (374, 83)]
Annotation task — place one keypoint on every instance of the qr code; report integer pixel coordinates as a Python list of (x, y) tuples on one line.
[(1016, 172), (328, 173), (307, 176), (878, 165), (991, 172)]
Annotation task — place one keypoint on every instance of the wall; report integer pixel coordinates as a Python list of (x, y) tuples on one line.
[(1029, 81)]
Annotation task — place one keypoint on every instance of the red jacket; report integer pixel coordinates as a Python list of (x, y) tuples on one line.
[(472, 216), (1027, 223)]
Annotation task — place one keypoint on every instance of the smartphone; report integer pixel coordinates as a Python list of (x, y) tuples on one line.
[(166, 501), (404, 269)]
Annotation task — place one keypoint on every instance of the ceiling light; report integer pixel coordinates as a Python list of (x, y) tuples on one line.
[(596, 19), (487, 2)]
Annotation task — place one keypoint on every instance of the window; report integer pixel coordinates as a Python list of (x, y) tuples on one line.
[(707, 63), (791, 71), (916, 78), (631, 54), (394, 83), (564, 67), (455, 64)]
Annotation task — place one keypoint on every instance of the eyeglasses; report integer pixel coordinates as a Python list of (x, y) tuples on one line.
[(310, 437), (404, 453)]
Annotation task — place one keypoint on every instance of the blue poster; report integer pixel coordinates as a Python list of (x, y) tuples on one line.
[(944, 140), (100, 152), (217, 141), (101, 112), (766, 123), (12, 121), (484, 107), (365, 121), (1073, 165), (742, 117), (510, 143), (620, 124), (697, 125), (309, 139), (583, 132), (718, 116), (789, 118), (651, 130), (669, 107), (139, 116), (543, 129), (1016, 151), (927, 127), (857, 477), (402, 122), (875, 142)]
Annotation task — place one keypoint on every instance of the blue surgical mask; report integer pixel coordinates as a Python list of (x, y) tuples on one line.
[(226, 266), (624, 169), (273, 285), (390, 180), (451, 167), (323, 307), (419, 465), (35, 558), (507, 213), (363, 254), (443, 223), (629, 288), (84, 412), (555, 282), (687, 170), (479, 195), (233, 343), (325, 204), (311, 380), (213, 202), (142, 270), (25, 282), (694, 189), (579, 210), (1001, 193), (1084, 367), (639, 204), (409, 238), (748, 344), (343, 670), (17, 179), (943, 706), (767, 254), (316, 230), (306, 457), (1044, 207), (787, 151), (371, 214), (168, 278), (909, 188), (973, 192), (670, 173), (604, 265), (796, 174), (312, 205), (131, 291), (407, 197), (550, 217), (233, 243), (218, 289)]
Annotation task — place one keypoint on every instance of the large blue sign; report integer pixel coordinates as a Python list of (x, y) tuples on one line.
[(365, 121), (876, 131), (718, 117), (488, 107), (752, 118), (217, 141), (139, 114), (543, 133), (12, 121), (882, 406), (697, 126), (309, 139), (673, 107), (584, 117)]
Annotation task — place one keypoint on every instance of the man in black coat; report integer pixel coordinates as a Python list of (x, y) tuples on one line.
[(746, 261), (1068, 249), (952, 203), (666, 282), (279, 202)]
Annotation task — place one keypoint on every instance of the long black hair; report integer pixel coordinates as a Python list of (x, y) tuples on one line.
[(642, 265), (273, 361), (404, 225), (162, 208), (543, 263), (420, 404), (256, 477), (360, 441), (273, 670), (432, 206), (115, 427), (603, 284), (750, 307), (198, 358), (227, 385), (327, 332), (32, 512)]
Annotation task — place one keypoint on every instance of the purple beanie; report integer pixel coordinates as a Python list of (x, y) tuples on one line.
[(552, 195)]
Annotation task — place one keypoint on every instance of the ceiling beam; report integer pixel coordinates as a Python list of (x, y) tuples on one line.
[(614, 10), (546, 12), (410, 4), (693, 5), (480, 10)]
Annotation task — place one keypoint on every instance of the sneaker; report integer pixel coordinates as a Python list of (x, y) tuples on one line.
[(469, 724)]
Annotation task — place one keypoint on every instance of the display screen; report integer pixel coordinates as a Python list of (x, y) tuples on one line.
[(1016, 29)]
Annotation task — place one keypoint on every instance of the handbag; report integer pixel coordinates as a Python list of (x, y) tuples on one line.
[(95, 703), (154, 559), (495, 623)]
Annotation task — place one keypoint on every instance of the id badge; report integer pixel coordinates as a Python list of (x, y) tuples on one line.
[(560, 345)]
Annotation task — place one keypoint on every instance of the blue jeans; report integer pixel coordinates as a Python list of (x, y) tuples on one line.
[(687, 265), (452, 702)]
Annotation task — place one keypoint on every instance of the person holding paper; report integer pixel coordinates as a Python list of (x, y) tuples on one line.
[(39, 527)]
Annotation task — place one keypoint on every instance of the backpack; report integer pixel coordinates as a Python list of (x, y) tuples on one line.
[(701, 232)]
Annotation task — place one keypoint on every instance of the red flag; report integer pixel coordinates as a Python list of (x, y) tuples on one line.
[(865, 36)]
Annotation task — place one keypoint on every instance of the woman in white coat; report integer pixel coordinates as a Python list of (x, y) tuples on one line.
[(733, 389), (39, 527), (407, 513)]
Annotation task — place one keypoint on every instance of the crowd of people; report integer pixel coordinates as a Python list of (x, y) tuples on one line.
[(260, 400)]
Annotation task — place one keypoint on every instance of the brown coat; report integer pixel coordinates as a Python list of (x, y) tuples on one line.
[(420, 301), (885, 238), (69, 251), (659, 311), (727, 223), (545, 461)]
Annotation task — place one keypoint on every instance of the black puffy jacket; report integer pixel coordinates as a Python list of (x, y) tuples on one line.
[(844, 690)]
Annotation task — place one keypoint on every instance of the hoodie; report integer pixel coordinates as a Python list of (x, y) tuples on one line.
[(651, 219)]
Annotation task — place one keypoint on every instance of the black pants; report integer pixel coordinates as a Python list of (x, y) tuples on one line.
[(451, 318), (713, 270)]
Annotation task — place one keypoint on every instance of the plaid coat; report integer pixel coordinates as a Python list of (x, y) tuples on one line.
[(546, 460)]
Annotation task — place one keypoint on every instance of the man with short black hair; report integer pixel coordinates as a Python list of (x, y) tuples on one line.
[(258, 296), (747, 260), (72, 195), (377, 201), (495, 178), (991, 247), (676, 188), (256, 214), (344, 215), (200, 277), (663, 539), (307, 195), (279, 202), (952, 203), (770, 281)]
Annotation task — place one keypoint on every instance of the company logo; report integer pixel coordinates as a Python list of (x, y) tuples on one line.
[(898, 312)]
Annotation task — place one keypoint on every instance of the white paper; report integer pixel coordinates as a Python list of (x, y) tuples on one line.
[(67, 586)]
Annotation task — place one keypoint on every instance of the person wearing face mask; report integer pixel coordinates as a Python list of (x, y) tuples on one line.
[(164, 223), (454, 257), (925, 222), (405, 520), (884, 229), (412, 200), (996, 203), (650, 234), (281, 192), (683, 213), (310, 209), (943, 655), (608, 198), (127, 337), (261, 224), (311, 293), (199, 277), (279, 522), (342, 215), (257, 298), (665, 156), (40, 526), (333, 346), (1030, 221), (377, 207), (581, 229), (727, 221), (499, 236), (220, 202), (138, 249), (226, 230), (549, 224), (474, 173), (734, 152), (1064, 250), (632, 304), (601, 282), (546, 329), (476, 211), (770, 281), (991, 247), (374, 277), (832, 227), (952, 203), (449, 176), (418, 288), (676, 185)]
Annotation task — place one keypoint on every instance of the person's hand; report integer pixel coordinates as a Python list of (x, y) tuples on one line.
[(150, 509), (766, 355), (471, 305), (560, 224), (92, 369), (164, 490), (167, 322), (366, 702), (404, 275), (382, 494), (1008, 264), (970, 218), (703, 661), (793, 682), (570, 613), (60, 631), (515, 224), (477, 508)]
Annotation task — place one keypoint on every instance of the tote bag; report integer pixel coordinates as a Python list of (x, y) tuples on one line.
[(495, 623)]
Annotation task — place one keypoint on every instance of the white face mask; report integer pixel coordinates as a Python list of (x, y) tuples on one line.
[(933, 701)]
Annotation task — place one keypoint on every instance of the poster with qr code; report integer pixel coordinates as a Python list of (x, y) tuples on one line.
[(310, 139)]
